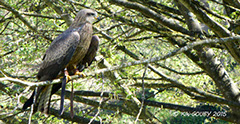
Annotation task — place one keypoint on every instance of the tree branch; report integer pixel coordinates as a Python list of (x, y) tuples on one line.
[(152, 14), (215, 26), (39, 15)]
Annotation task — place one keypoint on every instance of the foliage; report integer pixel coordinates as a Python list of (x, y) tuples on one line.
[(156, 59)]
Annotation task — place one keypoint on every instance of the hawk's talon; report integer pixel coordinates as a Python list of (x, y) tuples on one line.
[(68, 78), (80, 74)]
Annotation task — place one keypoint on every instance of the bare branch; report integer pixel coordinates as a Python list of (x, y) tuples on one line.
[(150, 13), (39, 15), (94, 94)]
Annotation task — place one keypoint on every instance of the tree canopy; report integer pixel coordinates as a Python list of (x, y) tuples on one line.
[(159, 61)]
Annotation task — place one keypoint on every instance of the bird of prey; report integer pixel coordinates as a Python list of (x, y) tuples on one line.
[(65, 53)]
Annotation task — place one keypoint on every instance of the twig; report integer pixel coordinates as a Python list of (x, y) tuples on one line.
[(145, 78), (5, 29), (100, 101), (32, 106), (5, 54), (143, 94), (154, 85)]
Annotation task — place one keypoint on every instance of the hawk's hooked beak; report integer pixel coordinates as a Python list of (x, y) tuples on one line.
[(97, 18)]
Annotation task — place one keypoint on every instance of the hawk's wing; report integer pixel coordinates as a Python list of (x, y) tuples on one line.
[(58, 55), (91, 53)]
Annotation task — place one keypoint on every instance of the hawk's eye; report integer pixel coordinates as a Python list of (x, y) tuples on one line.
[(90, 14)]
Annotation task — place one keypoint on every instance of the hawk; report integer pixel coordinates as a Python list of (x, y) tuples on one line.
[(70, 51)]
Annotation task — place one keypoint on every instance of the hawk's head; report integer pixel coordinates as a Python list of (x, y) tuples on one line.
[(85, 15)]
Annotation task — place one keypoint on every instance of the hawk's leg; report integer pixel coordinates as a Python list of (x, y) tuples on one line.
[(67, 75), (77, 72)]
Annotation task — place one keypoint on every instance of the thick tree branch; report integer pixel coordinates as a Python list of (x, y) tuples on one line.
[(152, 14), (216, 27)]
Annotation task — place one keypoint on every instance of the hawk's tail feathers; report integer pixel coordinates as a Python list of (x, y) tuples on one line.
[(43, 100)]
